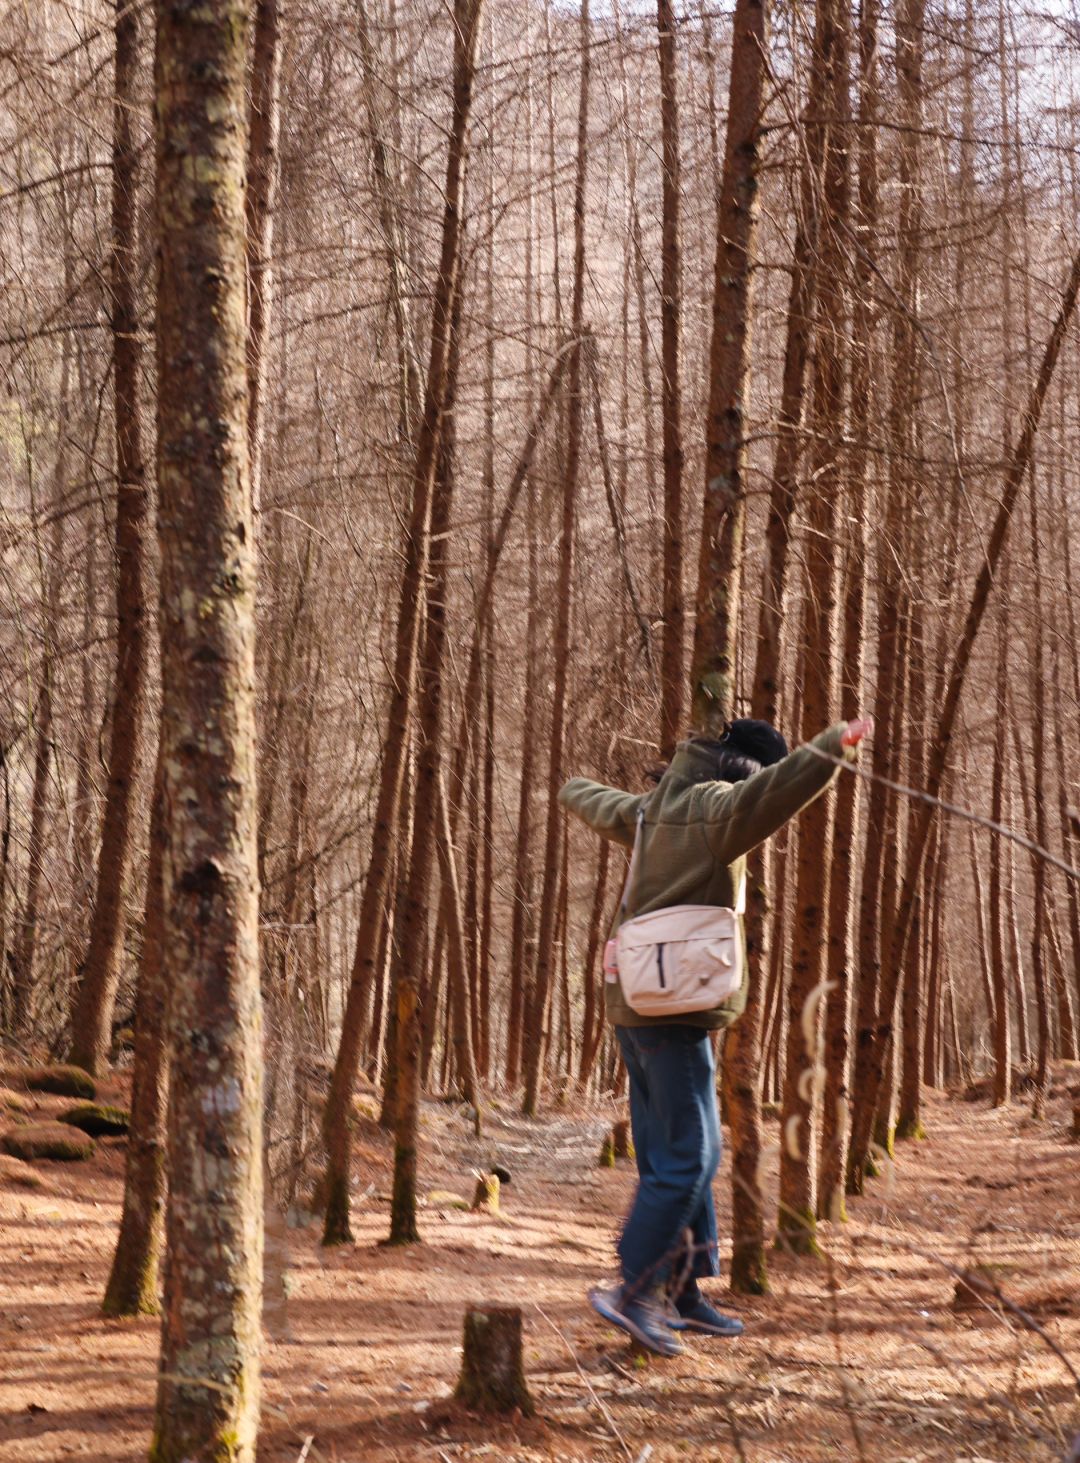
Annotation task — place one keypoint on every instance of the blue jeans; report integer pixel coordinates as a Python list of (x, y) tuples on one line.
[(676, 1127)]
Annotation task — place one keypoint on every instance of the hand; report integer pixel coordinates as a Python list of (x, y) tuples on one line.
[(856, 730)]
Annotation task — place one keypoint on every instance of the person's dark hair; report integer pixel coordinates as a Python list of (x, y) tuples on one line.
[(743, 748), (755, 739)]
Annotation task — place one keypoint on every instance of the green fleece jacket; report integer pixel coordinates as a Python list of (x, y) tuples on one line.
[(695, 839)]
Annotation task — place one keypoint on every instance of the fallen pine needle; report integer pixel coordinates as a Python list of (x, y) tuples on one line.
[(600, 1404)]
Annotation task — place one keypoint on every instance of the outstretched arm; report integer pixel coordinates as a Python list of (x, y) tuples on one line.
[(607, 810), (742, 816)]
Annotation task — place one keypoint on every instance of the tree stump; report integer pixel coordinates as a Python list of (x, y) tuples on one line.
[(607, 1152), (621, 1140), (492, 1370), (486, 1197), (1076, 1117)]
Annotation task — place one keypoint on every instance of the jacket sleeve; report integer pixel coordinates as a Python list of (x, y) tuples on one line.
[(607, 810), (740, 817)]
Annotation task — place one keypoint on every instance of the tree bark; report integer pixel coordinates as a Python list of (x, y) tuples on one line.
[(208, 1385), (132, 1288), (336, 1124), (671, 659), (96, 996), (260, 198), (533, 1045), (804, 1069), (938, 753), (720, 562), (413, 923)]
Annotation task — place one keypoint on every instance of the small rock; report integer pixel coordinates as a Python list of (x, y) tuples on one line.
[(319, 1387), (47, 1140), (64, 1081), (98, 1119)]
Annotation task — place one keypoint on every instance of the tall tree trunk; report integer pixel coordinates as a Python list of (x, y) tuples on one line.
[(879, 880), (671, 660), (336, 1119), (720, 564), (533, 1045), (712, 688), (909, 1122), (1041, 822), (938, 753), (132, 1288), (1002, 1085), (389, 207), (804, 1069), (592, 1021), (50, 573), (96, 995), (413, 924), (208, 1383), (262, 179), (841, 963)]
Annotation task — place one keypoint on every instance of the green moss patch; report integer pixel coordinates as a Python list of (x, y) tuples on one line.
[(64, 1081), (98, 1119), (47, 1140)]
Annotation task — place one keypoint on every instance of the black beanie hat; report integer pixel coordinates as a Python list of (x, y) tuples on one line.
[(756, 739)]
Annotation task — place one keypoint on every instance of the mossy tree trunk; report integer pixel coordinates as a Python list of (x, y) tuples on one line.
[(96, 996), (208, 1384)]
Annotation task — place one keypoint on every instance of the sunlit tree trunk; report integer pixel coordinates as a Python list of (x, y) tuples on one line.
[(671, 660), (96, 995), (545, 955), (132, 1288), (262, 179), (803, 1068), (841, 964), (208, 1384), (712, 669), (336, 1130)]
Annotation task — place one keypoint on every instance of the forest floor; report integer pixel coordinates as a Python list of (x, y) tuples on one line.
[(859, 1356)]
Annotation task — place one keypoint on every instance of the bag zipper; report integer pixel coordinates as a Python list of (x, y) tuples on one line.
[(660, 966)]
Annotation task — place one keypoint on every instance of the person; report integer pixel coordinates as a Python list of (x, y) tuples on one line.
[(715, 801)]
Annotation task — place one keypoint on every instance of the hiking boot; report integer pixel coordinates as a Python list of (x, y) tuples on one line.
[(696, 1314), (640, 1316)]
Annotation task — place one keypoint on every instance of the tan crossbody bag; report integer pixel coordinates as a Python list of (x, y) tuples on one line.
[(674, 961)]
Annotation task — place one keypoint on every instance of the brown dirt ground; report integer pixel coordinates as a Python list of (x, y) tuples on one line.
[(857, 1357)]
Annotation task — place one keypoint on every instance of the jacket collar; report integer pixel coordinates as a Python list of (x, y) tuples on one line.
[(691, 764)]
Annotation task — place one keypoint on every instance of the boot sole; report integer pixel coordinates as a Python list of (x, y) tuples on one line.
[(704, 1330), (624, 1323)]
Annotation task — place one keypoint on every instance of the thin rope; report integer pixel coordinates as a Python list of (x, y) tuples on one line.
[(954, 809)]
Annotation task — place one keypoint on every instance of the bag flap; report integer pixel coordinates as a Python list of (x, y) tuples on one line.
[(679, 922)]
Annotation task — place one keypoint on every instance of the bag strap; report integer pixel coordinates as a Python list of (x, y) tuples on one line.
[(740, 895)]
